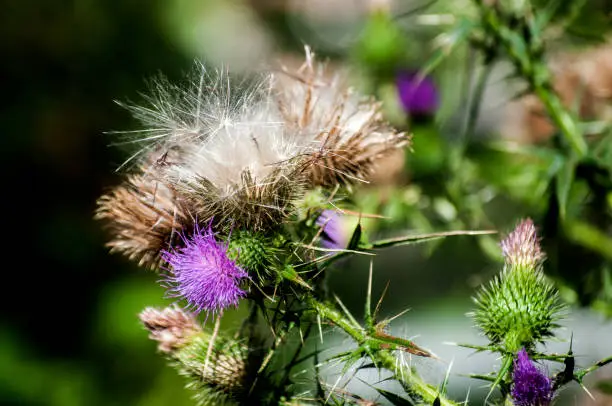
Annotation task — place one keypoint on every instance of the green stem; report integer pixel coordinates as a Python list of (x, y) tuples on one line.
[(527, 57), (579, 375), (563, 119), (475, 101), (412, 382)]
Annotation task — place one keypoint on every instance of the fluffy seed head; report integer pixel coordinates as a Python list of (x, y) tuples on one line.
[(343, 130), (142, 215), (246, 175), (171, 327), (174, 115), (522, 247), (530, 386), (203, 274), (232, 157)]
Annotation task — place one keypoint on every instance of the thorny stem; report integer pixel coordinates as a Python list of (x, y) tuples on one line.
[(409, 379), (527, 59)]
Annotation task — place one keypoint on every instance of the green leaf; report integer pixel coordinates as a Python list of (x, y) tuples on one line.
[(590, 237), (563, 185), (605, 387), (448, 44)]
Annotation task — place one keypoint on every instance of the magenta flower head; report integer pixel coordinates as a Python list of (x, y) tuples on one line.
[(530, 386), (418, 94), (332, 236), (203, 274)]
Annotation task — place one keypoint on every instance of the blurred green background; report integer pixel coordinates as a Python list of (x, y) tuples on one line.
[(69, 334)]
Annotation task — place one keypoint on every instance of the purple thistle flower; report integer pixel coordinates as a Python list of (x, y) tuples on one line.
[(522, 246), (333, 236), (418, 95), (530, 386), (203, 274)]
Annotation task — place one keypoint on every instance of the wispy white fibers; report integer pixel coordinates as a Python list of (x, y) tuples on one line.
[(173, 114), (248, 173), (239, 153)]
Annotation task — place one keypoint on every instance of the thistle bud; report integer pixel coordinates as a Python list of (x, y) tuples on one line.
[(216, 368), (252, 251), (520, 307), (171, 327), (530, 386)]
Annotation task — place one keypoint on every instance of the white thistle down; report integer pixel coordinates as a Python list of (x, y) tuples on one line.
[(241, 154), (175, 114), (249, 173)]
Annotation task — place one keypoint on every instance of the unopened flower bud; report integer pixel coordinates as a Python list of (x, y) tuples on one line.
[(520, 307), (171, 327)]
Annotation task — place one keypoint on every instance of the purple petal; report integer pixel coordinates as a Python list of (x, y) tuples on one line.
[(203, 274), (418, 95)]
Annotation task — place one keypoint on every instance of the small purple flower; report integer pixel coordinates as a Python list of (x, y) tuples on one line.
[(203, 274), (418, 94), (531, 387), (332, 236)]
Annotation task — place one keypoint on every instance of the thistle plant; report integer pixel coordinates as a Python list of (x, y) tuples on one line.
[(520, 307), (233, 199)]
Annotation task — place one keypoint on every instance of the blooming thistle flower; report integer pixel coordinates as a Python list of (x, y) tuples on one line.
[(520, 307), (344, 131), (332, 235), (142, 214), (418, 94), (530, 386), (171, 327), (203, 274)]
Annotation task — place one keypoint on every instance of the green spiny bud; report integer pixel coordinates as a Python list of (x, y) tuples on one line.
[(520, 306), (252, 251), (216, 368)]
